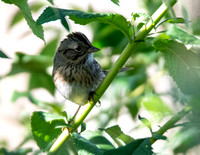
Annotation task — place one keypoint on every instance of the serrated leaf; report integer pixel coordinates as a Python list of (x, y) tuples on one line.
[(18, 16), (83, 18), (98, 139), (181, 35), (84, 146), (183, 64), (24, 7), (136, 147), (116, 134), (146, 122), (43, 126), (3, 55)]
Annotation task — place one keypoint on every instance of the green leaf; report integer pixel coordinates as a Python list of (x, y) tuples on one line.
[(186, 38), (41, 80), (183, 64), (154, 103), (16, 95), (98, 139), (43, 126), (185, 14), (116, 134), (3, 55), (195, 26), (51, 1), (50, 48), (83, 127), (115, 2), (172, 21), (30, 63), (159, 137), (136, 147), (36, 65), (23, 6), (146, 122), (19, 151), (84, 146), (83, 18), (139, 15), (144, 148), (18, 16), (145, 18)]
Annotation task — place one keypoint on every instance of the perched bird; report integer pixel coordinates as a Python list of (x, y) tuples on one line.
[(75, 72)]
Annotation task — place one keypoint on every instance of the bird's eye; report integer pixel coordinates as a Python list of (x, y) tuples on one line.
[(78, 48), (64, 52)]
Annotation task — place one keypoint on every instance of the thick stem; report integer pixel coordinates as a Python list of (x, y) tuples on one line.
[(130, 48)]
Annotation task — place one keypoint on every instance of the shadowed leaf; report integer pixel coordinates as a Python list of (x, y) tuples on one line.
[(83, 18)]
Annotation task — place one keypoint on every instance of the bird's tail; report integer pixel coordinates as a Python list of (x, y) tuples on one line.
[(122, 70)]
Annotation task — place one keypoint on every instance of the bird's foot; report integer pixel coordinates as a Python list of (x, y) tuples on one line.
[(91, 97)]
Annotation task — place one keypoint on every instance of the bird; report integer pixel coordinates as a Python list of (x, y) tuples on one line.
[(76, 74)]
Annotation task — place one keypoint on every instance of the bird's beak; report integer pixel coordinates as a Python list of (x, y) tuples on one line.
[(92, 49)]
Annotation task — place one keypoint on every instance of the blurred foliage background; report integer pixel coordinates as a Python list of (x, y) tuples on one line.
[(147, 90)]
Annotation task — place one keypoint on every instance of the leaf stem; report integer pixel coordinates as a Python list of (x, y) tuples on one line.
[(169, 124), (129, 49)]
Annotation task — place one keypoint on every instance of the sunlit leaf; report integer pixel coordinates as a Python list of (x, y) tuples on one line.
[(183, 64), (146, 122), (116, 134), (16, 95), (181, 35), (43, 126), (154, 103)]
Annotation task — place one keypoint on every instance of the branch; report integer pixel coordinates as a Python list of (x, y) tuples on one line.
[(130, 48), (171, 122)]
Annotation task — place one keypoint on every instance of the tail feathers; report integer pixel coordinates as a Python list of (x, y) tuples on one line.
[(122, 70)]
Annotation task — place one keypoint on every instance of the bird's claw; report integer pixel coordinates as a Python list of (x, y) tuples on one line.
[(91, 97)]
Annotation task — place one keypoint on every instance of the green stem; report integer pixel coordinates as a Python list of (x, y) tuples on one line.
[(171, 122), (130, 48)]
